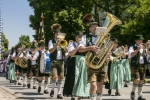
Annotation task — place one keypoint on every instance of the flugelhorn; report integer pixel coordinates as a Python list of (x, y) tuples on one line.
[(62, 43)]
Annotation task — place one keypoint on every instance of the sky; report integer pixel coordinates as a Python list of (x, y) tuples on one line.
[(15, 14)]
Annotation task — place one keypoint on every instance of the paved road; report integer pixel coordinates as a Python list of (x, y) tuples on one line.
[(9, 91)]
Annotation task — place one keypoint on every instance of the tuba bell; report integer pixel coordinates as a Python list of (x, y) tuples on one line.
[(62, 43), (103, 42), (22, 62)]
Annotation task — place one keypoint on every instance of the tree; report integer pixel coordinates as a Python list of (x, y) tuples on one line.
[(69, 14), (24, 40), (140, 23)]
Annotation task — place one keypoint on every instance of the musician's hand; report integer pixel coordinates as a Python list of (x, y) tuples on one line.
[(66, 56), (94, 48)]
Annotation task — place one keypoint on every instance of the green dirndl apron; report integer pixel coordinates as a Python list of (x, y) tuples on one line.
[(11, 71), (116, 75), (126, 70), (81, 86)]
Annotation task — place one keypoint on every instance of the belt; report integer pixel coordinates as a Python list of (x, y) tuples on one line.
[(59, 59), (78, 56)]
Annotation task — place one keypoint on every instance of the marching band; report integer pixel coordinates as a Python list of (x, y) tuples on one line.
[(82, 79)]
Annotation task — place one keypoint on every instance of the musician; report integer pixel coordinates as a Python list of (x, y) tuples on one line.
[(11, 68), (32, 66), (126, 66), (115, 70), (37, 56), (57, 60), (148, 54), (75, 83), (18, 68), (96, 77), (138, 62)]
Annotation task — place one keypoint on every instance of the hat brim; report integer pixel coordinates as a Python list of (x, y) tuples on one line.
[(140, 39), (93, 23)]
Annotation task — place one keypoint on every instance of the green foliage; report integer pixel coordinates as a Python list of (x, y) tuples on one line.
[(140, 23), (24, 40), (69, 13)]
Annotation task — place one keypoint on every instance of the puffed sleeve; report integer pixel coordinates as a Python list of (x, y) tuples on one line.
[(82, 42), (50, 45), (28, 56), (36, 55)]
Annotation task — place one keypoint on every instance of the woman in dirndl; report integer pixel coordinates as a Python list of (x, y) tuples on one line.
[(126, 67), (76, 84), (11, 68)]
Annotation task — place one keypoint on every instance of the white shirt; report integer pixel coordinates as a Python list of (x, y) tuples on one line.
[(71, 46), (28, 56), (59, 53), (37, 54), (83, 41), (141, 60)]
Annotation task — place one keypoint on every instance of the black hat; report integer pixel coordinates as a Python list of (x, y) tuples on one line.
[(115, 40), (139, 37), (41, 43), (78, 33)]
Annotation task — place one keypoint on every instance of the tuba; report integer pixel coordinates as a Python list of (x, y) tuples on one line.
[(96, 60), (62, 43), (22, 62)]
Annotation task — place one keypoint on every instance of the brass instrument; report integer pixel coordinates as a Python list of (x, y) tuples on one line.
[(148, 47), (118, 53), (22, 62), (62, 43), (103, 42)]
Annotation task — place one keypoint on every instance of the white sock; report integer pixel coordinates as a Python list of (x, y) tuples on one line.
[(24, 80), (45, 85), (134, 87), (93, 96), (140, 86), (19, 80), (34, 81), (59, 82), (40, 84), (28, 80), (53, 84)]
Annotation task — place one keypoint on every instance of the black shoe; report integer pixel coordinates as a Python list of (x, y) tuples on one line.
[(19, 84), (59, 96), (28, 85), (132, 95), (24, 85), (72, 98), (141, 98), (117, 94), (52, 93), (34, 87), (126, 85), (109, 92), (46, 91), (39, 89)]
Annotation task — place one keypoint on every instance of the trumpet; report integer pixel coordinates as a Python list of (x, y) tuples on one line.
[(62, 43)]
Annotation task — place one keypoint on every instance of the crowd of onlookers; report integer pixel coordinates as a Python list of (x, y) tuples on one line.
[(3, 67)]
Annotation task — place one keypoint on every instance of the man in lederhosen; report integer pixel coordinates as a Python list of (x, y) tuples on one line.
[(37, 56), (138, 62), (57, 60), (32, 66), (96, 77)]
